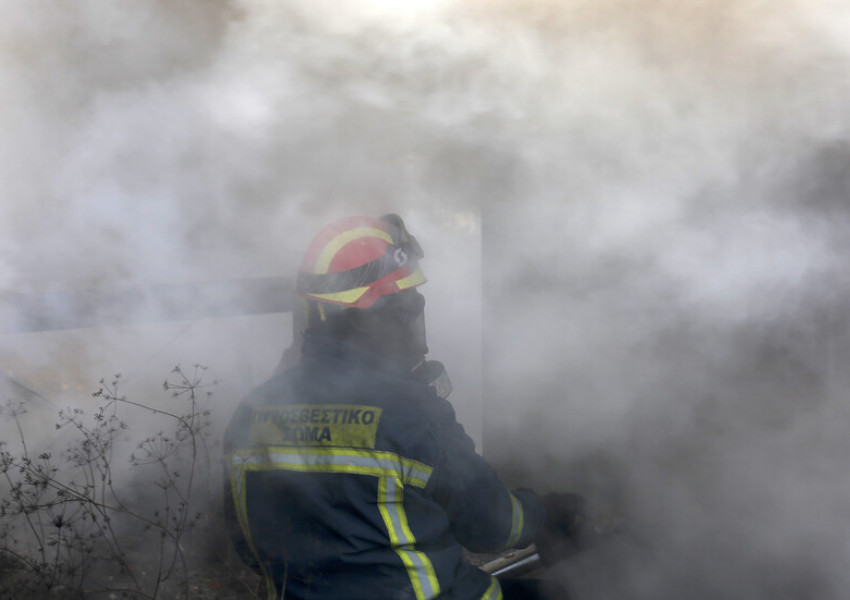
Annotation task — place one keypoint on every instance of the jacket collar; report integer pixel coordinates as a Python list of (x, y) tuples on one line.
[(323, 351)]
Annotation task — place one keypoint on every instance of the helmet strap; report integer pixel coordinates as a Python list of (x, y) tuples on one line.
[(315, 310)]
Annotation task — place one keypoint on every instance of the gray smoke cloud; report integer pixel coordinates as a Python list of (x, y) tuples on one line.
[(653, 194)]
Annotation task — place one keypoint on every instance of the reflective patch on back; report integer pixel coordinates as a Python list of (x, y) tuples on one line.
[(332, 425)]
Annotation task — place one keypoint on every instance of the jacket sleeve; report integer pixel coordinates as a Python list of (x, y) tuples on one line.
[(234, 530), (233, 439), (485, 516)]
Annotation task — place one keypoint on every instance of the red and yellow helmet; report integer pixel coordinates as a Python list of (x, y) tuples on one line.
[(354, 261)]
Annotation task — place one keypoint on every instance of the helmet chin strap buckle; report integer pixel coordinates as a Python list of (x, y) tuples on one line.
[(433, 373)]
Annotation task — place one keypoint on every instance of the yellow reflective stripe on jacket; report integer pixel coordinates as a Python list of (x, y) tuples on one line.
[(517, 522), (376, 463), (418, 565), (393, 471), (237, 487), (494, 592)]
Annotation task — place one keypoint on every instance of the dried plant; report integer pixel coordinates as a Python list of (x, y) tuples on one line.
[(69, 530)]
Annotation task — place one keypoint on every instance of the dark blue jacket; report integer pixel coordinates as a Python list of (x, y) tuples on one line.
[(350, 482)]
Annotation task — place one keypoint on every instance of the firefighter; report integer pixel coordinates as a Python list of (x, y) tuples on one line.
[(349, 477)]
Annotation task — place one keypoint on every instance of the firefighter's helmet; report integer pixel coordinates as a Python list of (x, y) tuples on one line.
[(354, 261)]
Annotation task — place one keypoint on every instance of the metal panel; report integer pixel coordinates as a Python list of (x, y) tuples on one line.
[(75, 309)]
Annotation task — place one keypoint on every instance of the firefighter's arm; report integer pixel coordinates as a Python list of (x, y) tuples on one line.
[(234, 531), (485, 515), (233, 437)]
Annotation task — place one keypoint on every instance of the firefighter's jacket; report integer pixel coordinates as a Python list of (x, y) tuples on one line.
[(350, 482)]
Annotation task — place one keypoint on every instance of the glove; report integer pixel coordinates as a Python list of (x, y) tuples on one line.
[(565, 530)]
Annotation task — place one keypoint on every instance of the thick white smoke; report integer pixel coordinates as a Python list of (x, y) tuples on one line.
[(660, 191)]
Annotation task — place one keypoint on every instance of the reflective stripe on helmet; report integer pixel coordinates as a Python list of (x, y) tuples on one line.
[(346, 297), (356, 260), (393, 259), (329, 252), (412, 280)]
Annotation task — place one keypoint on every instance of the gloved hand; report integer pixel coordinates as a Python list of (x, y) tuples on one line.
[(566, 529)]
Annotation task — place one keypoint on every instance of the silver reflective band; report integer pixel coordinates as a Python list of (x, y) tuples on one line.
[(335, 460)]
